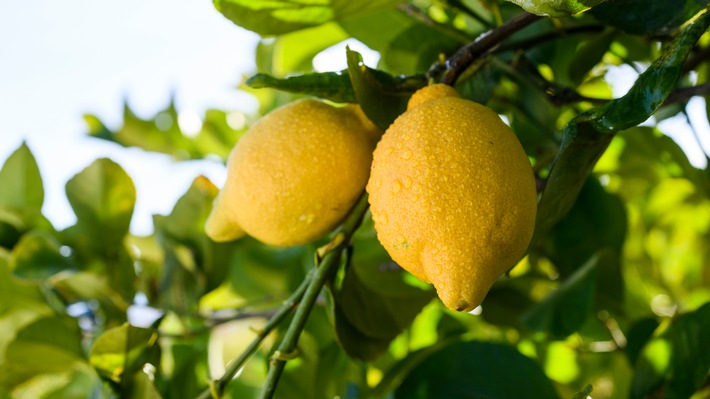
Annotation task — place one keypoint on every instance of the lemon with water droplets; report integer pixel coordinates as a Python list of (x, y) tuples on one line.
[(294, 175), (452, 195)]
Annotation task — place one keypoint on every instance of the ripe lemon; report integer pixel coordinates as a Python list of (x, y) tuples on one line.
[(294, 174), (452, 194)]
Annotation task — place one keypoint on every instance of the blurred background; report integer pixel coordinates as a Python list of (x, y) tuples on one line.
[(61, 60)]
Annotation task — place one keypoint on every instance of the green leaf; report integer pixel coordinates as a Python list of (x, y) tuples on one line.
[(556, 8), (676, 362), (103, 197), (121, 351), (377, 300), (588, 135), (21, 182), (596, 222), (583, 394), (294, 52), (36, 257), (590, 54), (277, 17), (638, 335), (381, 96), (476, 370), (333, 86), (49, 345), (416, 48), (564, 310), (642, 17)]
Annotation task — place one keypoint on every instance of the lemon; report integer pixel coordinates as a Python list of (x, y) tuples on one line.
[(294, 175), (453, 195)]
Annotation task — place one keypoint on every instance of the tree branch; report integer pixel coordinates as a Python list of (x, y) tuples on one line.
[(685, 93), (329, 256), (216, 389), (467, 55)]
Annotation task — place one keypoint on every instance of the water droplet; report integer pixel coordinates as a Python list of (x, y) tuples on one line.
[(396, 186), (389, 150), (382, 219), (407, 182), (405, 245), (378, 183), (436, 269), (407, 154), (307, 218), (399, 146)]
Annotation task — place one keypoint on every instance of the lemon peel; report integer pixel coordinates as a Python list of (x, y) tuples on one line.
[(452, 195), (294, 175)]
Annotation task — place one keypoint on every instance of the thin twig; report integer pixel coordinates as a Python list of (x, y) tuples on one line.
[(685, 93), (542, 38), (422, 17), (467, 55), (216, 389), (325, 268)]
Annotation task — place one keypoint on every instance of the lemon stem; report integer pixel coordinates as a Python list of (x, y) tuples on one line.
[(329, 262)]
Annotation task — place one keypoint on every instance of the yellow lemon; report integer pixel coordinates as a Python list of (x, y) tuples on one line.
[(453, 195), (294, 174)]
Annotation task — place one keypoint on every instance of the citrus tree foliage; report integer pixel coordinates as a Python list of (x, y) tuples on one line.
[(611, 301)]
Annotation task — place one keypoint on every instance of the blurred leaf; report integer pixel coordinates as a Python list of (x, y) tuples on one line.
[(416, 48), (333, 86), (675, 363), (189, 374), (480, 86), (163, 133), (21, 182), (103, 197), (590, 54), (588, 135), (476, 370), (556, 8), (294, 52), (37, 257), (641, 17), (120, 352), (507, 301), (377, 92), (564, 310), (377, 29), (597, 221), (142, 387), (49, 345), (638, 335), (278, 17)]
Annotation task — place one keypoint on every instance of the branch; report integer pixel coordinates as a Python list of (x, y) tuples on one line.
[(468, 54), (329, 260), (685, 93), (216, 388)]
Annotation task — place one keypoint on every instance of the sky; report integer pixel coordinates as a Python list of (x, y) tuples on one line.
[(60, 60)]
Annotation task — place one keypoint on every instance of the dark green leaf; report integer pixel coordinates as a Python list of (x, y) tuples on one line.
[(642, 17), (587, 136), (269, 18), (564, 310), (36, 256), (21, 182), (381, 96), (476, 370), (675, 363), (121, 351), (416, 48), (597, 221), (638, 335), (583, 394), (377, 301), (590, 54), (333, 86)]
